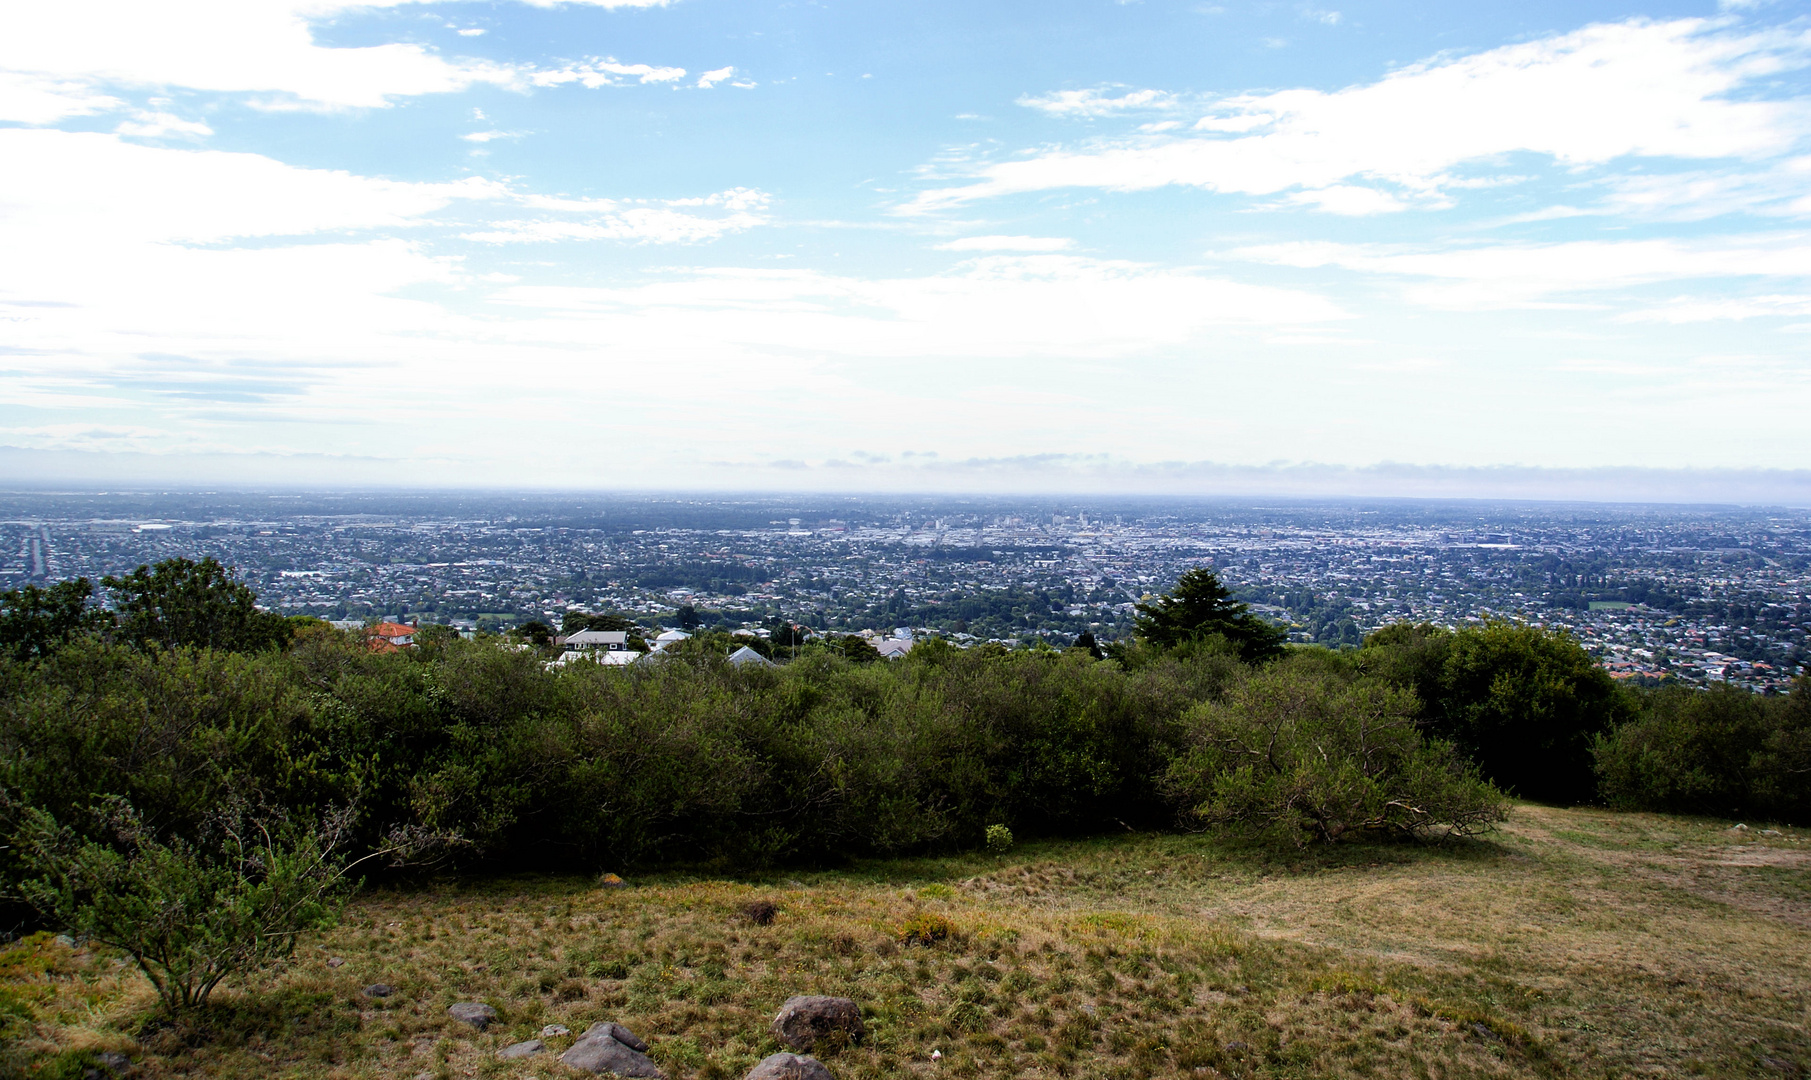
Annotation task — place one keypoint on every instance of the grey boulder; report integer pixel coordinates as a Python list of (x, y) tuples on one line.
[(789, 1067), (555, 1030), (473, 1013), (379, 990), (616, 1031), (602, 1054), (805, 1021), (522, 1049)]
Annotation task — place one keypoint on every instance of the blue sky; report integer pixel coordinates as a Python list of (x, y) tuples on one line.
[(948, 246)]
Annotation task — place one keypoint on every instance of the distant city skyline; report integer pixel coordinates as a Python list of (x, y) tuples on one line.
[(1518, 251)]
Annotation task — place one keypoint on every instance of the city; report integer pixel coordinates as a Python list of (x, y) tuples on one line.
[(1695, 594)]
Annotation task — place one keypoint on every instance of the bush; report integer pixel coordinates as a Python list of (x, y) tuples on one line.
[(999, 839), (1526, 704), (1720, 751), (1301, 752), (190, 914)]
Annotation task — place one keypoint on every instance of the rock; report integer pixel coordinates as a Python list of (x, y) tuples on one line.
[(474, 1013), (611, 881), (789, 1067), (110, 1063), (64, 940), (612, 1029), (522, 1049), (552, 1031), (602, 1054), (379, 990), (336, 961), (803, 1021)]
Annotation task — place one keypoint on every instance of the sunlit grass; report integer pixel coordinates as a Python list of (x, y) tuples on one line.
[(1575, 943)]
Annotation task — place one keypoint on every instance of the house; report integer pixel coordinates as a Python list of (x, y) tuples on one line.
[(390, 636), (611, 640), (746, 655), (606, 657), (893, 648)]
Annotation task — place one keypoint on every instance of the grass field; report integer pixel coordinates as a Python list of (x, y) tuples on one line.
[(1571, 943)]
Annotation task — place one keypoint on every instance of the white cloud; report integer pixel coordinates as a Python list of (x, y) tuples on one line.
[(490, 136), (1098, 102), (1687, 309), (1009, 243), (88, 185), (472, 31), (1632, 89), (56, 55), (608, 71), (38, 99), (712, 78), (1347, 199), (162, 125), (1545, 275), (648, 224)]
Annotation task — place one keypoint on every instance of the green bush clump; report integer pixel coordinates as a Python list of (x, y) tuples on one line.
[(999, 839), (1304, 751), (1719, 751)]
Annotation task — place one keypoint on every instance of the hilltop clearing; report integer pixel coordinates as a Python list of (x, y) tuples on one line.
[(1569, 943)]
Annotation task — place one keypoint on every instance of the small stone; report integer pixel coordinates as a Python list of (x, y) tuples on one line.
[(602, 1054), (554, 1031), (612, 1030), (1770, 832), (789, 1067), (522, 1049), (804, 1021), (474, 1013), (611, 881), (114, 1062), (379, 990), (336, 961), (64, 940)]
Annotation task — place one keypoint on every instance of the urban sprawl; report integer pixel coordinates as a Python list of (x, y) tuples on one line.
[(1656, 593)]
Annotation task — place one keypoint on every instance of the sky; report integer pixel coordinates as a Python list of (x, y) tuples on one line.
[(1539, 249)]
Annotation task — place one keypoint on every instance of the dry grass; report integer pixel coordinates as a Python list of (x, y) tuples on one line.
[(1575, 943)]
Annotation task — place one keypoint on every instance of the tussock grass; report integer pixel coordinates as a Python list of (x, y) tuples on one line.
[(1574, 943)]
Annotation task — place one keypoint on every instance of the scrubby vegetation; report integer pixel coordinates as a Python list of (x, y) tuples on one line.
[(185, 778)]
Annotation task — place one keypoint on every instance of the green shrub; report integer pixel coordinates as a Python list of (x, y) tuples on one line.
[(1300, 752), (1719, 751), (190, 914), (1526, 704), (999, 839)]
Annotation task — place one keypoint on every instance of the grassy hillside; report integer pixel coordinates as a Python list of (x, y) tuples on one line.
[(1570, 943)]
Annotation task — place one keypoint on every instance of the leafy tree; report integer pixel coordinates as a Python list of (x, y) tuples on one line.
[(688, 618), (1527, 705), (1297, 754), (855, 648), (574, 621), (1085, 640), (180, 602), (1199, 606), (34, 621), (536, 632)]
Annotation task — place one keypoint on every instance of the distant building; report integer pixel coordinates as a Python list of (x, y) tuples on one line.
[(746, 655), (893, 648), (390, 636), (610, 640)]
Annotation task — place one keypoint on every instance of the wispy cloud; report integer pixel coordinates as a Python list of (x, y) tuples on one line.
[(1635, 89), (1008, 243)]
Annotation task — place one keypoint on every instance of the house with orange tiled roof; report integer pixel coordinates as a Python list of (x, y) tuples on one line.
[(389, 636)]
